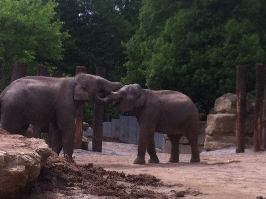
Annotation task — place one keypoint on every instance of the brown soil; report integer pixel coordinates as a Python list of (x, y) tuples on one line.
[(111, 174), (61, 177)]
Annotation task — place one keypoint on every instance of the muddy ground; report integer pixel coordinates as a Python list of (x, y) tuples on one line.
[(111, 174)]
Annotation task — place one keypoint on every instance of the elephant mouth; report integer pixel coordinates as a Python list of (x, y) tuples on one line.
[(116, 103)]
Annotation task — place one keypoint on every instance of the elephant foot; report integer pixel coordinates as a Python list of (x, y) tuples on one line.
[(194, 160), (154, 161), (139, 160)]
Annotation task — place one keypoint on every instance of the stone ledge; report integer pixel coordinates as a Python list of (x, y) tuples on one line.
[(21, 159)]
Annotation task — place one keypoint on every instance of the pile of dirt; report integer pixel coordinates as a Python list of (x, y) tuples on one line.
[(66, 178)]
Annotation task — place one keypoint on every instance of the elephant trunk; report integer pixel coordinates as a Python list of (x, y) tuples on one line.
[(114, 96)]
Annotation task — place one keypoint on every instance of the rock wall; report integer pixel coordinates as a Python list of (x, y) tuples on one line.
[(21, 159), (126, 129), (221, 124)]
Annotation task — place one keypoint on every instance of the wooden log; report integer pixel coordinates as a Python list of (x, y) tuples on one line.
[(241, 83), (19, 70), (42, 71), (56, 73), (79, 117), (257, 137), (98, 119), (264, 113)]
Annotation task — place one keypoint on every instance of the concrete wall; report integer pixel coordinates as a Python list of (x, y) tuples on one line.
[(126, 129)]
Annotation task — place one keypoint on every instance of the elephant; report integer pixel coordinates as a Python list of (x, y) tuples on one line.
[(164, 111), (44, 101)]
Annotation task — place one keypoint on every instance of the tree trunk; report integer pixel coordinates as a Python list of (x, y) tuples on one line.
[(257, 137), (19, 70), (42, 71), (2, 74), (98, 119), (58, 73), (264, 113)]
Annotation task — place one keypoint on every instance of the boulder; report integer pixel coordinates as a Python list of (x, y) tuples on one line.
[(216, 145), (227, 104), (220, 131), (21, 159), (221, 124), (221, 128)]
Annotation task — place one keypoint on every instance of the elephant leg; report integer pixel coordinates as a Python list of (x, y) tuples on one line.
[(23, 130), (51, 131), (174, 140), (151, 150), (142, 147), (20, 131), (14, 125), (55, 138), (36, 131), (195, 155), (68, 137)]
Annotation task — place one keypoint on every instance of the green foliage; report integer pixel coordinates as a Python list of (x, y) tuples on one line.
[(194, 47), (97, 29), (29, 30), (88, 113), (109, 113), (139, 49)]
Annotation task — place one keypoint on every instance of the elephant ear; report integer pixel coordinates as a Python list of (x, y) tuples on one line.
[(85, 80), (80, 93), (140, 100)]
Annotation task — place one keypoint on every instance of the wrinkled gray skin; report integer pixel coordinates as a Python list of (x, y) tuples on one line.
[(167, 112), (42, 101)]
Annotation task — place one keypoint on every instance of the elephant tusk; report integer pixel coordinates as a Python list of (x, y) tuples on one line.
[(116, 93)]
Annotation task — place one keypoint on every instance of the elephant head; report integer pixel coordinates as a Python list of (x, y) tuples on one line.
[(126, 98), (88, 86)]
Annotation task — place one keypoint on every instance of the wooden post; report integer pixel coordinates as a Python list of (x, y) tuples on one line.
[(56, 73), (98, 119), (19, 70), (264, 113), (79, 117), (241, 83), (2, 75), (257, 137), (42, 71)]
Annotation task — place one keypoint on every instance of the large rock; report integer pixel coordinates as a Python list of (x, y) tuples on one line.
[(221, 129), (21, 159), (221, 124), (227, 104)]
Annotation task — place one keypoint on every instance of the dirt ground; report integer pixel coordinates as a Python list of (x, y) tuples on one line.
[(112, 174)]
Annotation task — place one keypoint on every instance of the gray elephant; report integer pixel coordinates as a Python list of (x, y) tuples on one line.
[(42, 101), (165, 111)]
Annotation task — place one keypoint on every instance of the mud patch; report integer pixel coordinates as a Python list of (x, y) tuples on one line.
[(62, 178)]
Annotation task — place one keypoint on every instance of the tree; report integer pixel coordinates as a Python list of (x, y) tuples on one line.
[(196, 47), (29, 29), (97, 29)]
